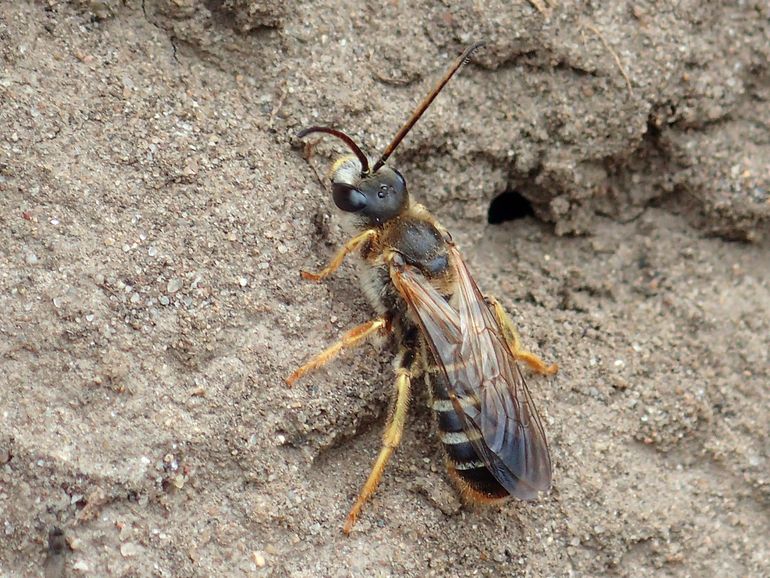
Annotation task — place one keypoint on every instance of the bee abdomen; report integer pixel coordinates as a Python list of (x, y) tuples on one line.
[(465, 466)]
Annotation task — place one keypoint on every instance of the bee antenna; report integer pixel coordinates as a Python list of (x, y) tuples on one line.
[(344, 138), (464, 57)]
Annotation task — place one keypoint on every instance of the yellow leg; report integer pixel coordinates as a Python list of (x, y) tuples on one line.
[(390, 440), (352, 338), (335, 263), (514, 341)]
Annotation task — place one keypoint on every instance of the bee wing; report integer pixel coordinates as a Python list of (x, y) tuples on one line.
[(501, 419)]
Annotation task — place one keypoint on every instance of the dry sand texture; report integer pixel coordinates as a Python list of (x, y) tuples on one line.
[(155, 209)]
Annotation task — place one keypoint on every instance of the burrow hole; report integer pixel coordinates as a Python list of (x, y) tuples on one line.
[(508, 206)]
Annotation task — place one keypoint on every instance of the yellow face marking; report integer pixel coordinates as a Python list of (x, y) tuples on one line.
[(345, 169)]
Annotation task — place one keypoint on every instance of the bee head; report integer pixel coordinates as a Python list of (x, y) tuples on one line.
[(378, 194), (375, 195)]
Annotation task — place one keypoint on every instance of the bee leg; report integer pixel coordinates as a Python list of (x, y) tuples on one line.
[(390, 440), (514, 341), (352, 338), (335, 263)]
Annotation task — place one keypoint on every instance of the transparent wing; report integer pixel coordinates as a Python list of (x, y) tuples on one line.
[(501, 421)]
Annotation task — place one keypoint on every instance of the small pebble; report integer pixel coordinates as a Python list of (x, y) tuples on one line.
[(129, 549), (152, 251), (174, 285), (243, 281), (259, 559), (135, 298), (30, 258), (163, 300)]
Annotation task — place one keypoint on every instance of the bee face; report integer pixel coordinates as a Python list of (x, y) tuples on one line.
[(376, 197)]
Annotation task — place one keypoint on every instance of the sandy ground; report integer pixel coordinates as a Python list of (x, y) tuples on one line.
[(155, 209)]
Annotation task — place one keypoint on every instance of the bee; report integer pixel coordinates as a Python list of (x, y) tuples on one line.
[(459, 341)]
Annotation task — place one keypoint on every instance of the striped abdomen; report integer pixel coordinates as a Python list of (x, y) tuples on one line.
[(465, 467)]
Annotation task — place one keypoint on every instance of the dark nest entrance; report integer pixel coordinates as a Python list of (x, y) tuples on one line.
[(508, 206)]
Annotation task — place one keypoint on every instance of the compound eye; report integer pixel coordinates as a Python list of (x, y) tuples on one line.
[(401, 180), (348, 198)]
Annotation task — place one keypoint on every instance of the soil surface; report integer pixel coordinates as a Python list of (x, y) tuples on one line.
[(156, 207)]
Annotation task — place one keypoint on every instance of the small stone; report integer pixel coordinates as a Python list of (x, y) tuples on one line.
[(259, 560), (129, 549), (80, 566), (163, 300), (90, 317), (174, 285), (191, 167), (152, 251), (135, 298), (264, 265), (243, 281), (125, 532), (30, 258)]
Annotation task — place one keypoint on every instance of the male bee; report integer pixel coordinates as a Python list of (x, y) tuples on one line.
[(461, 342)]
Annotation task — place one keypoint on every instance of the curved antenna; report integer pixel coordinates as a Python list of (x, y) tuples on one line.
[(464, 57), (344, 138)]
